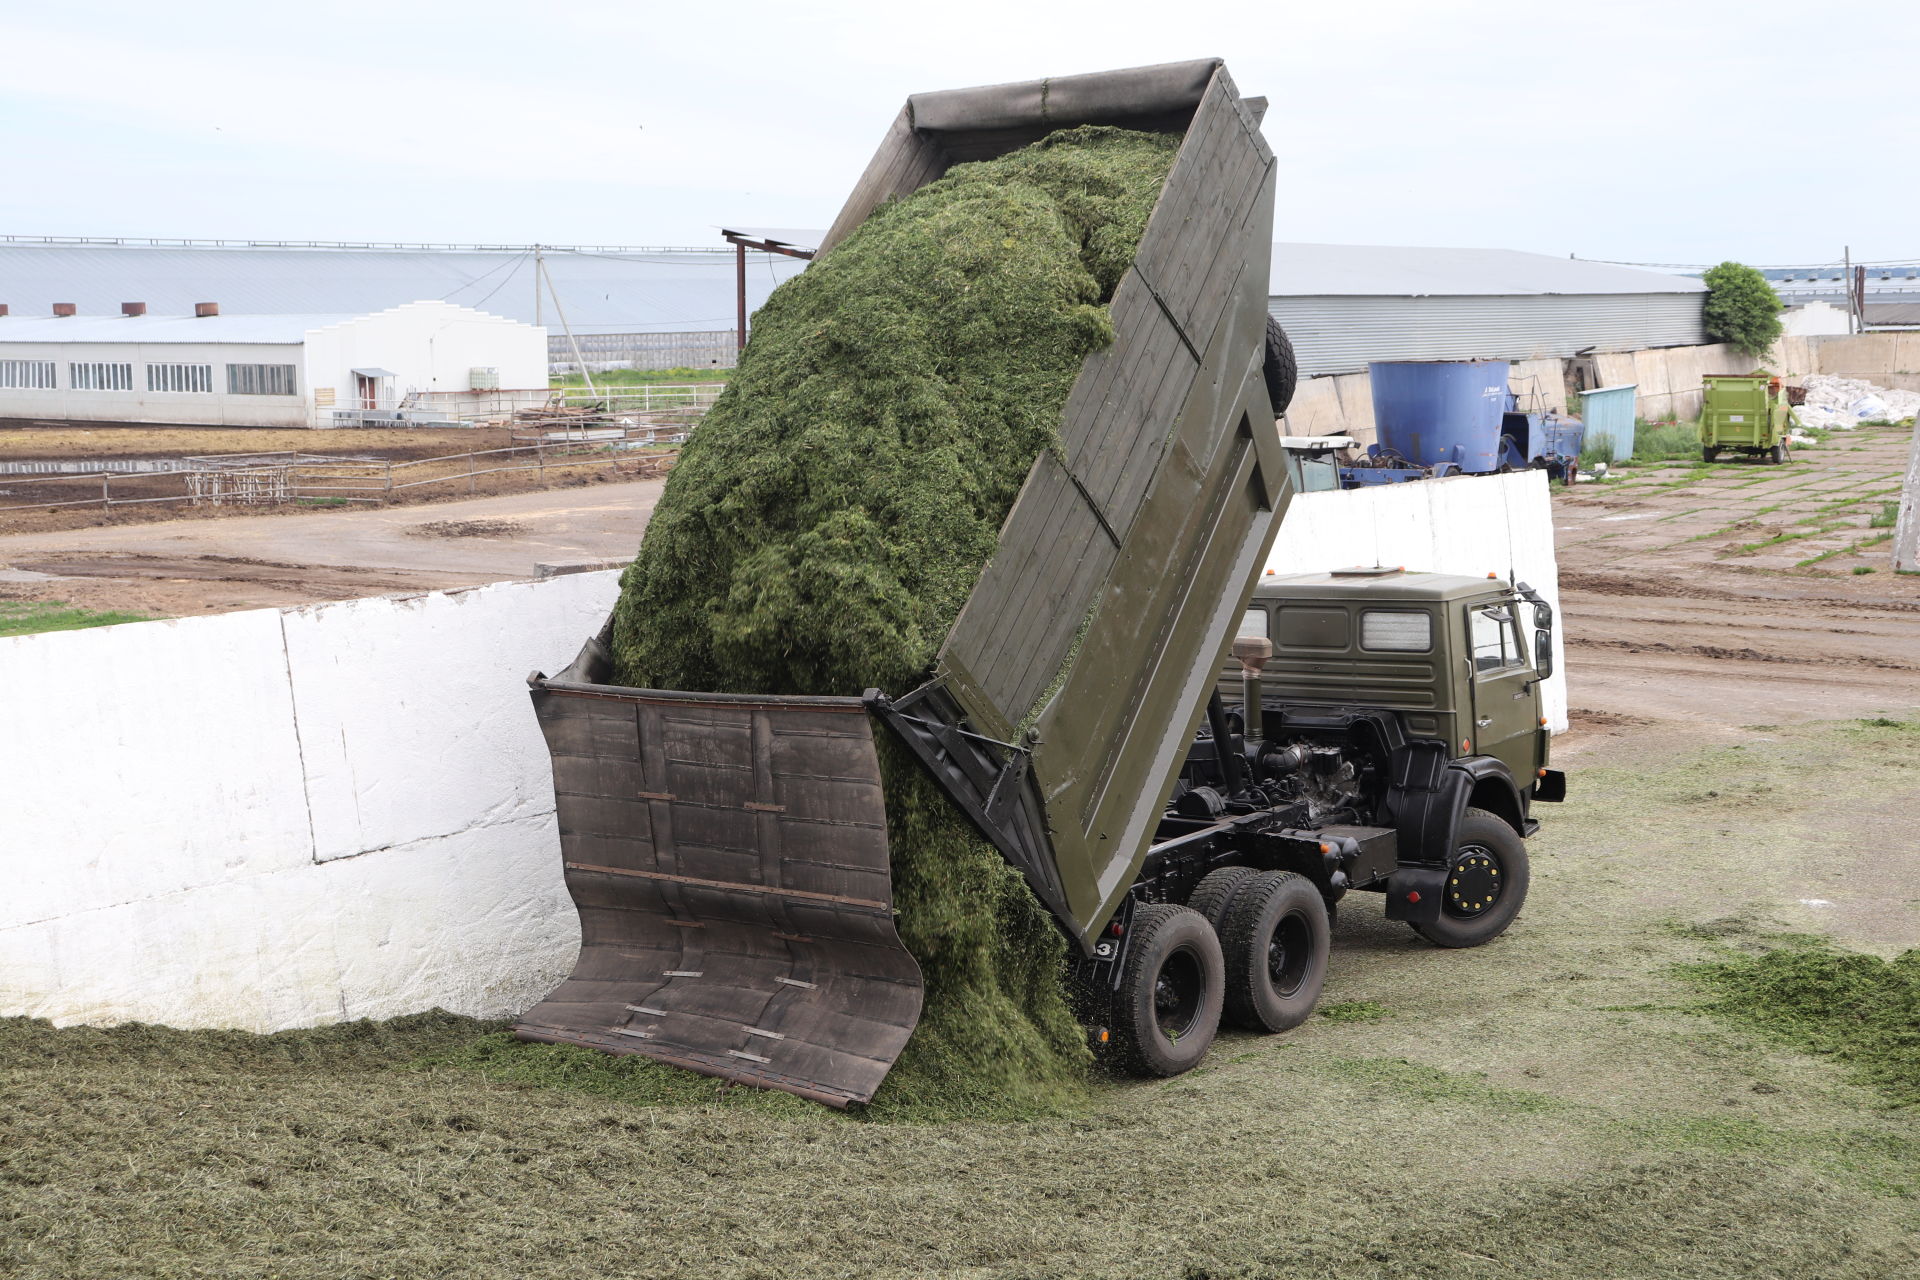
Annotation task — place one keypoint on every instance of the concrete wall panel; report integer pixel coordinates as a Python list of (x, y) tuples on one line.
[(264, 820)]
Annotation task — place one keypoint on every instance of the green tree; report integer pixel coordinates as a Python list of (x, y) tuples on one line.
[(1742, 309)]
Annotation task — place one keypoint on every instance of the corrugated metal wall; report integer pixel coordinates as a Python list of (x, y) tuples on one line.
[(1341, 334)]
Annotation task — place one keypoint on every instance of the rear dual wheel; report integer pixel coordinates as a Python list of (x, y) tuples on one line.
[(1250, 946), (1275, 938), (1167, 1008)]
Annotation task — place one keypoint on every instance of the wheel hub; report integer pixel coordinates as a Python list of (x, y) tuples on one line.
[(1177, 995), (1289, 953), (1473, 884)]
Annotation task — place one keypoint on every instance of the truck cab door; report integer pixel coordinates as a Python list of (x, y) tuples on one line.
[(1506, 718)]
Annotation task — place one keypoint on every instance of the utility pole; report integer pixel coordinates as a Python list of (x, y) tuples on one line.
[(1853, 316)]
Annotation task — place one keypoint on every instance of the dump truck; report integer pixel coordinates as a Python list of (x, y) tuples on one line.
[(728, 853), (1744, 413)]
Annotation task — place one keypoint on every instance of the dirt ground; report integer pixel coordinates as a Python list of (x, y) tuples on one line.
[(419, 479), (1727, 594), (185, 567)]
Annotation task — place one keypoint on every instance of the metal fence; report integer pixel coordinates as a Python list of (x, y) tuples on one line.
[(278, 479)]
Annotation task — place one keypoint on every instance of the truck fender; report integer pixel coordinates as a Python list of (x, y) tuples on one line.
[(1427, 793), (1493, 788)]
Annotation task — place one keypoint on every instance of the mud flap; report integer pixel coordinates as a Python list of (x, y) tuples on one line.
[(728, 858)]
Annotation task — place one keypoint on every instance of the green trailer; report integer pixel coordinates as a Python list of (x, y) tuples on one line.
[(1745, 413)]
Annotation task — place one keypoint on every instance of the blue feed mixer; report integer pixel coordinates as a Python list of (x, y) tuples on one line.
[(1442, 414)]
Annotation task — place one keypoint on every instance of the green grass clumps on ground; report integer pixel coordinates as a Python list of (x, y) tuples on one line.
[(1353, 1011), (828, 520), (637, 1081), (1858, 1008), (1885, 517), (30, 617)]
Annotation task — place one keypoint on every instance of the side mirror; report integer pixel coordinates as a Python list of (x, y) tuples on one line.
[(1543, 653), (1543, 617)]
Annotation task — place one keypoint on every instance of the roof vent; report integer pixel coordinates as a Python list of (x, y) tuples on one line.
[(64, 309), (203, 309), (133, 308)]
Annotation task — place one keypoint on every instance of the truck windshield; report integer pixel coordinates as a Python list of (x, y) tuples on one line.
[(1254, 623)]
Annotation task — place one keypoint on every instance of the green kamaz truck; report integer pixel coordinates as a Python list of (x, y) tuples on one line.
[(1381, 731)]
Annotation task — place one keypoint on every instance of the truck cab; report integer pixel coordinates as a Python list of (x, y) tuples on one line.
[(1457, 659)]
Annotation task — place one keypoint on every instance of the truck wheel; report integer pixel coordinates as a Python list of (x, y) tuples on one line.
[(1777, 454), (1486, 883), (1275, 940), (1215, 892), (1708, 453), (1282, 370), (1167, 1007)]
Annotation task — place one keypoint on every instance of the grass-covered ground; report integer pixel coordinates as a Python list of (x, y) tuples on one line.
[(1579, 1100), (28, 617)]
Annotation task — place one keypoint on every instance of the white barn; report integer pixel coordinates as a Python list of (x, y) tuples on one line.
[(256, 370)]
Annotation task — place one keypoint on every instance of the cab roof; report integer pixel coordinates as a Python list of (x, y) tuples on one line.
[(1374, 584)]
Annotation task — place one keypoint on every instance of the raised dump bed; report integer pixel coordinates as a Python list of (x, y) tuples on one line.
[(728, 854)]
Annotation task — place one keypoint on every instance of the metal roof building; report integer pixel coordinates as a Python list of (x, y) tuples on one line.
[(678, 301), (1344, 305)]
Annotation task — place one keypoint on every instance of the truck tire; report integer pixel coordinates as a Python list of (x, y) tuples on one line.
[(1275, 941), (1166, 1010), (1282, 370), (1486, 883), (1708, 453), (1215, 892), (1777, 454)]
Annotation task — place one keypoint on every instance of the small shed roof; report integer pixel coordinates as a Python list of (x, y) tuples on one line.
[(1404, 271), (222, 328)]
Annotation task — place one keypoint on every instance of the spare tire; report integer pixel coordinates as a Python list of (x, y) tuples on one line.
[(1282, 371)]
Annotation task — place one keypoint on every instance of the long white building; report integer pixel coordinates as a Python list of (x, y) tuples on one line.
[(256, 370)]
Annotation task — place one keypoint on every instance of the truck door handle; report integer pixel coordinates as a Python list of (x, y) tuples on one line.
[(1484, 721)]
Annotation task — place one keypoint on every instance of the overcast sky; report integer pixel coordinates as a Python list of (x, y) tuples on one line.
[(1667, 131)]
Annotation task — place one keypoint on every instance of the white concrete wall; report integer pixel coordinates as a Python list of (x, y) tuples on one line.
[(140, 405), (428, 346), (1472, 525), (274, 819)]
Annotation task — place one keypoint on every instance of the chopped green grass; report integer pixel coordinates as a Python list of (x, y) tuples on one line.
[(1854, 1007), (826, 523), (1354, 1011), (30, 617)]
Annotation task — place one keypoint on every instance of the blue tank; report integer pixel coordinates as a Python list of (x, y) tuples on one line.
[(1441, 412)]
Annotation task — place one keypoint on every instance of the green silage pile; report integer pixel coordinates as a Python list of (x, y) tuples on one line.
[(828, 520), (1854, 1007)]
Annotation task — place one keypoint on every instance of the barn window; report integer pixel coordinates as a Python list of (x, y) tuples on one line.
[(261, 380), (180, 377), (29, 375), (99, 375)]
